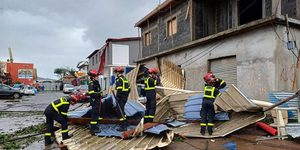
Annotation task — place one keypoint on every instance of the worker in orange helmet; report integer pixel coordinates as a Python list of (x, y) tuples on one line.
[(150, 82), (57, 111), (207, 112)]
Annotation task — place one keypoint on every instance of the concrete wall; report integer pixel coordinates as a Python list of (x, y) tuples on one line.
[(94, 66), (284, 61), (259, 61)]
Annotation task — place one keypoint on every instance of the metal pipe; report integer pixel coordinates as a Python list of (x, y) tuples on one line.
[(172, 89)]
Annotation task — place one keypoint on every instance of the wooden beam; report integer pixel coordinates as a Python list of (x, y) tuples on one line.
[(84, 121), (187, 11)]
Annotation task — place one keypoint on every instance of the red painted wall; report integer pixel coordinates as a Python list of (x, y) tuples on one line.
[(17, 71)]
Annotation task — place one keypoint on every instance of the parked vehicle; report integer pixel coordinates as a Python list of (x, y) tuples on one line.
[(7, 91), (18, 86), (82, 92), (68, 88), (27, 90), (75, 90)]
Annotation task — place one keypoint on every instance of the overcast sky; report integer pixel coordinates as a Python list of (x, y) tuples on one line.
[(60, 33)]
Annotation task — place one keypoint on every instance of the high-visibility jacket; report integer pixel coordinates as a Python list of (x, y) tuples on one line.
[(210, 93), (61, 106), (94, 89), (122, 86), (150, 83)]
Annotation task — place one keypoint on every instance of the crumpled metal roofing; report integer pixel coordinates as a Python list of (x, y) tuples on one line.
[(193, 106), (293, 129), (83, 140), (158, 129), (133, 110), (244, 113)]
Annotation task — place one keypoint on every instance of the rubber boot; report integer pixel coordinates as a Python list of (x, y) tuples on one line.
[(94, 129), (146, 120), (203, 128), (210, 130), (48, 140), (122, 127), (150, 120), (66, 136)]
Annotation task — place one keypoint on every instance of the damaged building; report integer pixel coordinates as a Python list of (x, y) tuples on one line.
[(243, 42)]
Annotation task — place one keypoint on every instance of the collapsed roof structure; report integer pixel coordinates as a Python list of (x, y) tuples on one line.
[(174, 106)]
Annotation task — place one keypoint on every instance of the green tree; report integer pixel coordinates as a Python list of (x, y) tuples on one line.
[(60, 72), (72, 72)]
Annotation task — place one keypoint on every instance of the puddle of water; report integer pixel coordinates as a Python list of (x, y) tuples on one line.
[(41, 145), (12, 124)]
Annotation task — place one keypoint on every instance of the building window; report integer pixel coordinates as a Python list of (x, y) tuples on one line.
[(93, 61), (249, 14), (147, 38), (96, 58), (172, 27)]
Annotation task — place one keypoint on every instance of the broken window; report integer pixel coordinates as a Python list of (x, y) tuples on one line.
[(172, 27), (249, 10), (147, 38)]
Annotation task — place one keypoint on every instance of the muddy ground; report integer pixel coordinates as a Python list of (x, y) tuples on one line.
[(17, 115)]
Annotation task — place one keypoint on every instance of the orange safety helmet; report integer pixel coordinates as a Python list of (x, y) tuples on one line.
[(119, 69), (208, 76), (92, 73), (74, 97), (153, 70)]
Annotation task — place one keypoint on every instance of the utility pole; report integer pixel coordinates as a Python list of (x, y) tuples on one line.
[(25, 72)]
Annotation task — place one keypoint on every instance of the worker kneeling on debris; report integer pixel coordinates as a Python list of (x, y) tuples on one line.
[(207, 112), (150, 82), (57, 111), (123, 90)]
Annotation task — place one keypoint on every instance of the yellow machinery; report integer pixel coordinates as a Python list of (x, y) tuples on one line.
[(10, 54)]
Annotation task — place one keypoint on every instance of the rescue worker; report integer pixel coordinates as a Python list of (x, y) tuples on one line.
[(123, 90), (219, 83), (150, 82), (207, 112), (57, 111), (95, 96)]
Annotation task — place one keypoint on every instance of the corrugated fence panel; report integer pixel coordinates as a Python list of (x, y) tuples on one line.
[(275, 97), (225, 68)]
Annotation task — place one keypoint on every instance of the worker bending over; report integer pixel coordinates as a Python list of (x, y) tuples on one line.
[(123, 90), (95, 100), (207, 112), (57, 111), (150, 82)]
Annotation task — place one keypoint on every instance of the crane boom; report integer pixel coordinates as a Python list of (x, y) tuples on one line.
[(10, 54)]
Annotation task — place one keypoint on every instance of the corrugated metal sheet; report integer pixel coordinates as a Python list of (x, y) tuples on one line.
[(157, 129), (275, 97), (171, 77), (234, 100), (225, 68), (245, 113), (134, 110), (83, 140), (293, 129), (193, 106)]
